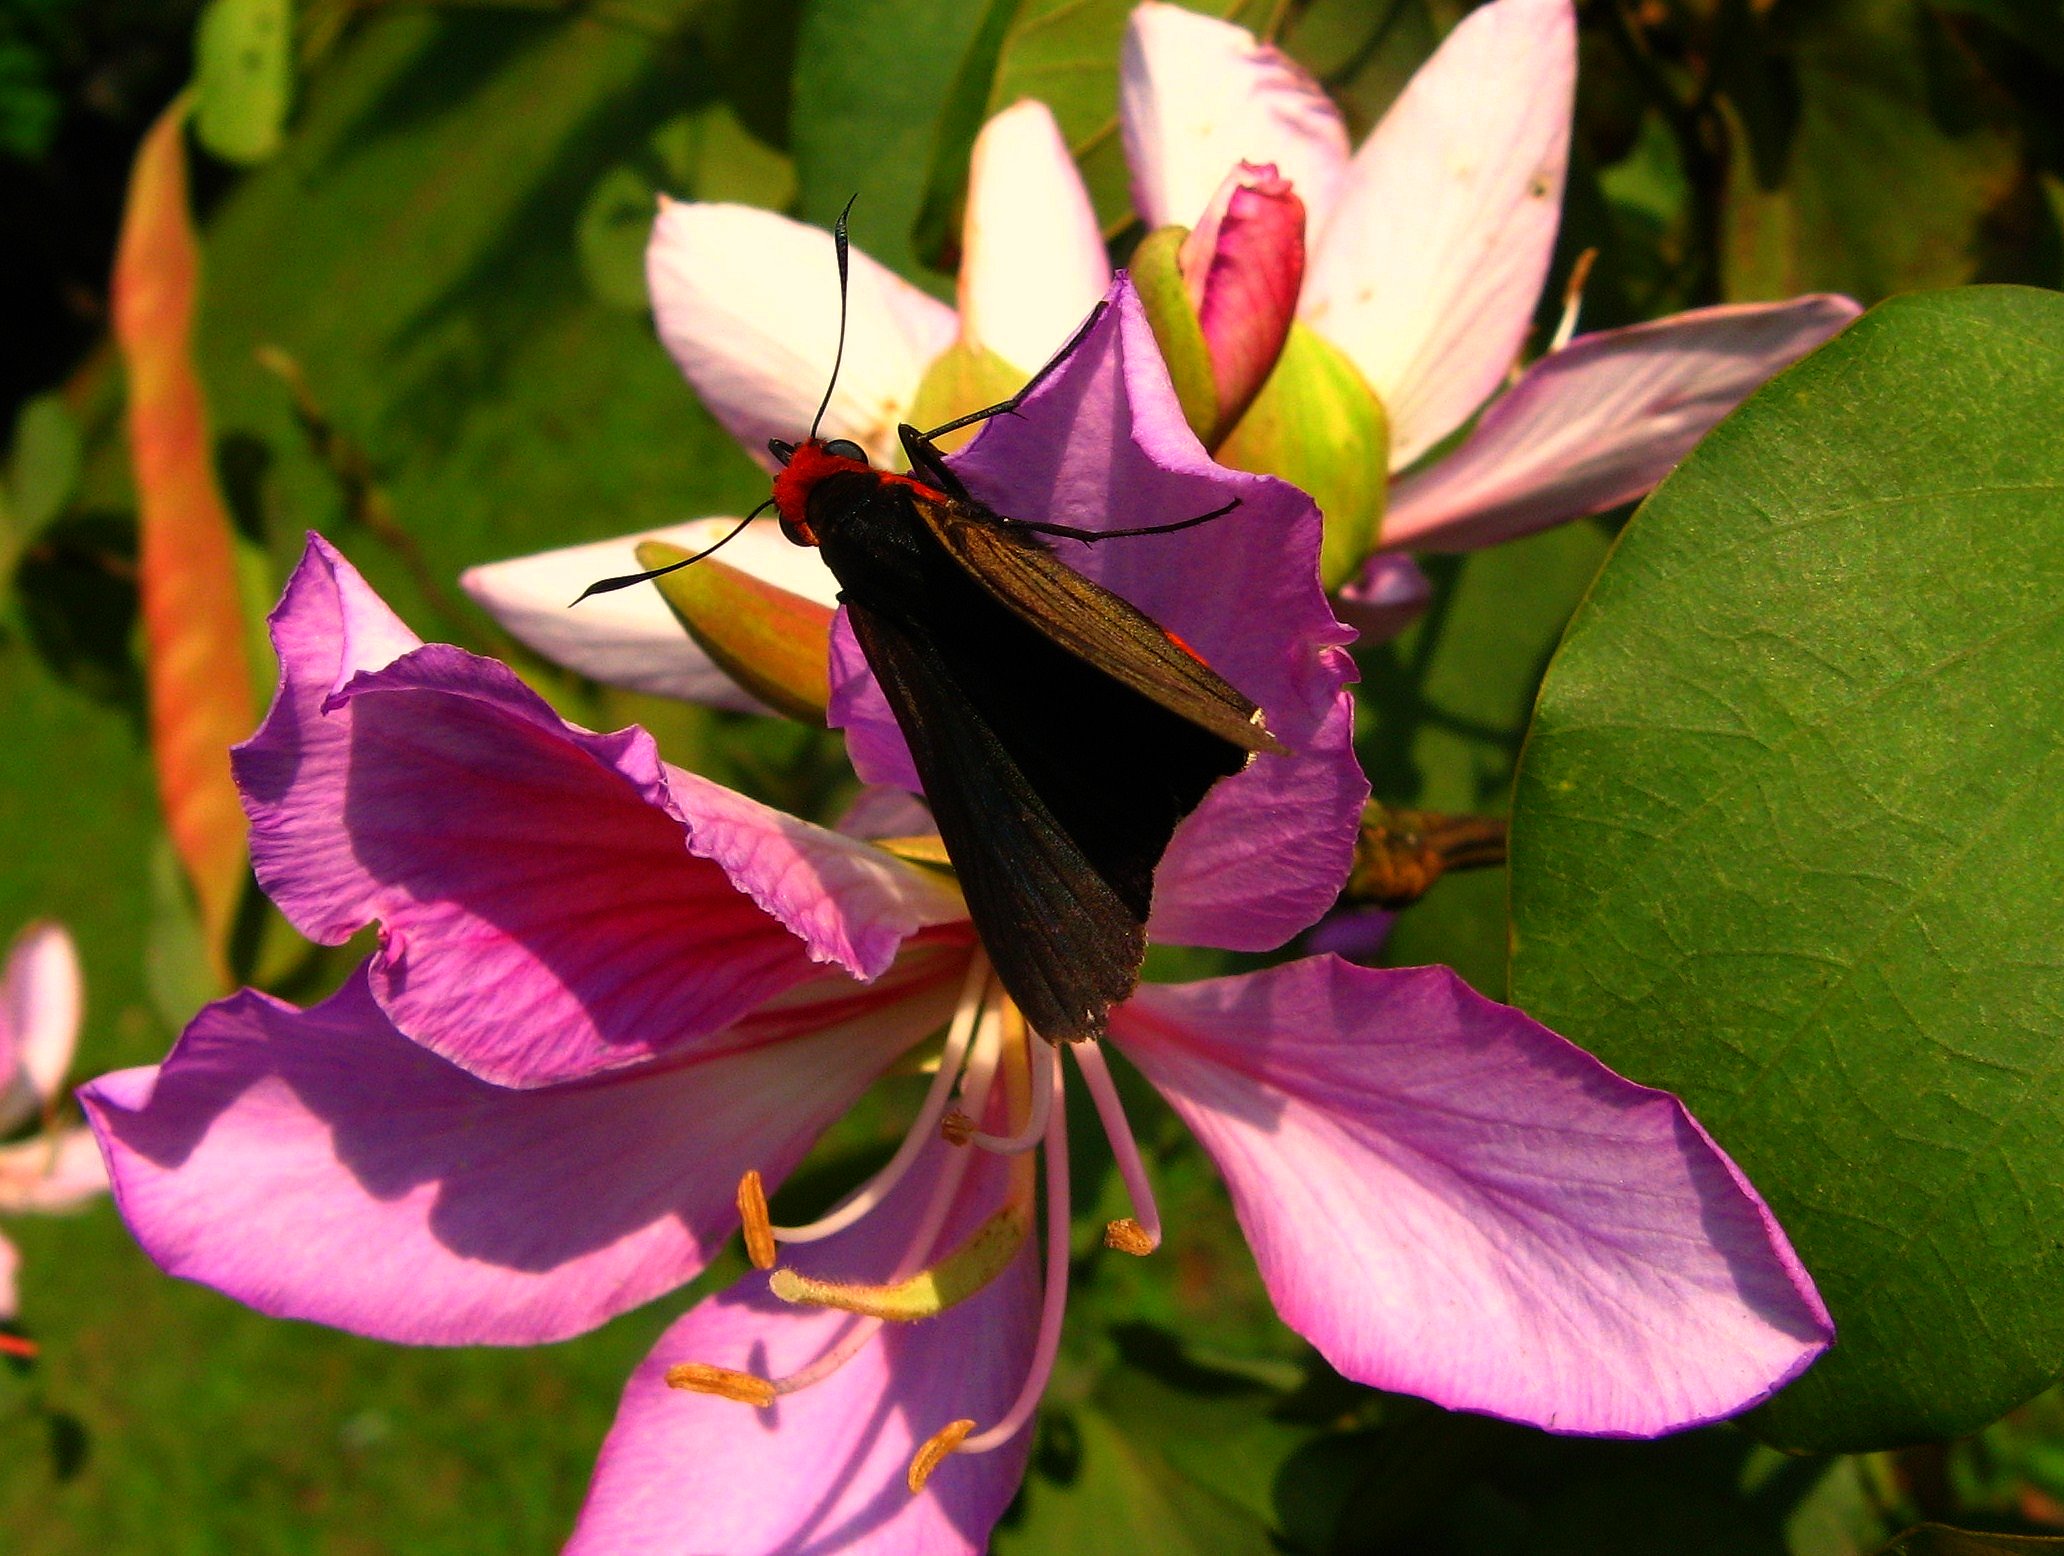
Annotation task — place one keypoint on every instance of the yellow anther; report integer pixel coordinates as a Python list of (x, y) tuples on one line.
[(698, 1378), (963, 1272), (758, 1225), (934, 1452), (1128, 1236), (956, 1128)]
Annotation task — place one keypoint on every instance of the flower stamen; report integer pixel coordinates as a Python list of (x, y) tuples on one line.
[(876, 1189), (754, 1221), (1139, 1233), (700, 1378), (1053, 1305), (1046, 1069)]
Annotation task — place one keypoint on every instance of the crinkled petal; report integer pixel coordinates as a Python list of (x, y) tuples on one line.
[(1032, 259), (823, 1469), (41, 994), (1388, 596), (748, 304), (1601, 421), (1427, 273), (52, 1173), (1449, 1200), (629, 638), (1103, 445), (1197, 96), (317, 1164), (552, 902)]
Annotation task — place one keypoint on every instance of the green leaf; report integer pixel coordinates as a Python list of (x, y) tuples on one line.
[(243, 77), (1065, 53), (1941, 1540), (871, 79), (44, 468), (1889, 173), (1785, 841)]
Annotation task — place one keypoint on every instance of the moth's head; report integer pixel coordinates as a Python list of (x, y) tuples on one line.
[(803, 465)]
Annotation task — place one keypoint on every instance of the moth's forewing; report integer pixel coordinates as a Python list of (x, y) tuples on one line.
[(1094, 624), (1056, 783)]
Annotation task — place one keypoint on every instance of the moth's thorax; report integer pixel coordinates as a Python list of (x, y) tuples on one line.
[(810, 464)]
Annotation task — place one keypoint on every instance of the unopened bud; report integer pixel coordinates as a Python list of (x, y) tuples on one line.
[(775, 644), (1242, 269)]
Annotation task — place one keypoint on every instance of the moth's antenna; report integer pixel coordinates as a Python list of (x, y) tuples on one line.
[(611, 585), (838, 242)]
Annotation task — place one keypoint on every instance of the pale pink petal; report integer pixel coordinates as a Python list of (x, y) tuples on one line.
[(1427, 273), (1197, 96), (822, 1471), (1449, 1200), (748, 303), (51, 1173), (41, 995), (1032, 259), (319, 1165), (1601, 421), (1389, 595), (548, 897), (629, 638), (1103, 445)]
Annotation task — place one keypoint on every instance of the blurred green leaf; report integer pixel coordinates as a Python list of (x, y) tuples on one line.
[(1890, 172), (1941, 1540), (243, 77), (1786, 833), (1444, 709), (43, 469)]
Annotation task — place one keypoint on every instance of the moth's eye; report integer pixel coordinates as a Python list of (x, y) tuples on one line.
[(846, 448)]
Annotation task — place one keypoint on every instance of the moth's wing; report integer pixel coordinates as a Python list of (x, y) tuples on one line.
[(1096, 625), (1063, 937)]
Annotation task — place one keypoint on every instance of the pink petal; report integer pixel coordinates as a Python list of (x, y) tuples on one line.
[(51, 1173), (748, 303), (1388, 597), (1032, 258), (1601, 421), (1427, 273), (630, 638), (823, 1470), (1449, 1200), (552, 902), (10, 1291), (1103, 445), (41, 994), (319, 1165), (1197, 96)]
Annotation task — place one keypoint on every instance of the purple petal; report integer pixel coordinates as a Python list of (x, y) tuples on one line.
[(317, 1164), (748, 304), (823, 1469), (1388, 597), (1449, 1200), (1197, 96), (552, 902), (1427, 273), (1601, 421), (630, 638), (1103, 445)]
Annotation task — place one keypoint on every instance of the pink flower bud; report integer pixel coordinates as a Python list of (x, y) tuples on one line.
[(1242, 266)]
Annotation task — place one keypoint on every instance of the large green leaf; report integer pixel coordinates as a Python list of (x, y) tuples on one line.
[(1941, 1540), (1786, 838)]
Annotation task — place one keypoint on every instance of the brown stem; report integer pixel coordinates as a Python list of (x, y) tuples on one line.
[(1401, 853)]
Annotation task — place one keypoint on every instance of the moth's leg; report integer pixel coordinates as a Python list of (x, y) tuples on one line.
[(1010, 407), (928, 464), (1092, 536)]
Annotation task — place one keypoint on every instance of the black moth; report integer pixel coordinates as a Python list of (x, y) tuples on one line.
[(1061, 733)]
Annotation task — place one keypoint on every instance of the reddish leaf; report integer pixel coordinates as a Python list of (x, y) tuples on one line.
[(198, 673)]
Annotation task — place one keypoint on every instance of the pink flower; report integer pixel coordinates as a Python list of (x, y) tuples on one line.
[(1421, 259), (56, 1169), (611, 1000)]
